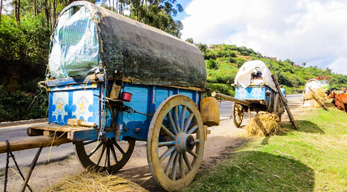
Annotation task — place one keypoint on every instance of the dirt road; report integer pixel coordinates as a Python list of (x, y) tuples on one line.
[(223, 139)]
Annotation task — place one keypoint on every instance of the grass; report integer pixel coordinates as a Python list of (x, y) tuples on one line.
[(310, 159)]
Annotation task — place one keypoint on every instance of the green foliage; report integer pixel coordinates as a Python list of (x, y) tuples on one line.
[(222, 88), (211, 64), (20, 105), (158, 14), (190, 40), (223, 62)]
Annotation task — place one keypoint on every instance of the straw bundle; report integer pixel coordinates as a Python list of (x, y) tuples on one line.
[(89, 181), (263, 124), (320, 94)]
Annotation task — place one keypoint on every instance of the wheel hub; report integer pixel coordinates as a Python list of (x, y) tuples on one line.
[(184, 142)]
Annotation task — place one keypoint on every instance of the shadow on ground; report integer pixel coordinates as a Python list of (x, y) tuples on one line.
[(303, 126), (256, 171)]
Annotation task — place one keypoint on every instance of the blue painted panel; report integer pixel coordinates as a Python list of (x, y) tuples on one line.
[(256, 93), (76, 103), (82, 102), (141, 101), (146, 99)]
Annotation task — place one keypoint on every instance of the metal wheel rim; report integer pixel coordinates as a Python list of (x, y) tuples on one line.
[(174, 169), (106, 154), (238, 114)]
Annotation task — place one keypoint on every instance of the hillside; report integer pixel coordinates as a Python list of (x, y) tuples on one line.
[(223, 62)]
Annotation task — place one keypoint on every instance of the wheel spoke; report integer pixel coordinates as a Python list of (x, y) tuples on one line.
[(94, 150), (186, 125), (108, 156), (88, 142), (193, 153), (191, 130), (166, 143), (186, 160), (172, 123), (118, 147), (175, 164), (181, 166), (167, 132), (169, 164), (166, 153), (176, 119), (114, 153), (183, 115), (101, 154)]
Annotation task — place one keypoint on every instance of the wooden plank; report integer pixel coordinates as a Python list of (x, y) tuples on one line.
[(30, 143), (291, 118), (42, 129), (229, 98)]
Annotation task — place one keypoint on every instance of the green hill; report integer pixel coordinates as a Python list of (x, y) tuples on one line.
[(223, 62)]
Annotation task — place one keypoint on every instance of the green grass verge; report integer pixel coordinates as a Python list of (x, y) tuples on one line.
[(310, 159)]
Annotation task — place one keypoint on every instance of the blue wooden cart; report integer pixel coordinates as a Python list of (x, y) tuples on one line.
[(112, 81), (255, 90)]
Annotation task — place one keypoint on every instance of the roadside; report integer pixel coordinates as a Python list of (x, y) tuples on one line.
[(223, 140), (8, 124), (309, 159)]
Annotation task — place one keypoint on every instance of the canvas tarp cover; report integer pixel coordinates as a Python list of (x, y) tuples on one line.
[(243, 76), (75, 45), (143, 53), (313, 84)]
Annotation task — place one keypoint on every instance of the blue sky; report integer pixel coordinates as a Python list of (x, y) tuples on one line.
[(183, 14), (311, 31)]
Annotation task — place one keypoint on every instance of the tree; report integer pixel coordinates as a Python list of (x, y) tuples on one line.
[(1, 4), (190, 40)]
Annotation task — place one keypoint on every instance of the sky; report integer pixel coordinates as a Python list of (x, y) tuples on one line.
[(310, 31)]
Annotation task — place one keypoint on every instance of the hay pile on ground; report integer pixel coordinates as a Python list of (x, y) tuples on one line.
[(320, 94), (89, 181), (263, 124)]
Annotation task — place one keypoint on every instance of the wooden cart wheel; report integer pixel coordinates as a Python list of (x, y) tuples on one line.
[(175, 143), (238, 114), (105, 155)]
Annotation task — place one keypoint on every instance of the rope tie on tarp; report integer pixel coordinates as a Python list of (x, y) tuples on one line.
[(10, 154)]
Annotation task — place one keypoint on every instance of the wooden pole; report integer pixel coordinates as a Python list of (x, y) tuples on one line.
[(291, 118), (34, 142), (314, 96), (32, 166), (229, 98)]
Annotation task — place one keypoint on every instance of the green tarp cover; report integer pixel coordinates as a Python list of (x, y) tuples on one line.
[(143, 53)]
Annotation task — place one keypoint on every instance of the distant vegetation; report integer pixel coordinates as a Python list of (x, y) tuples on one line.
[(223, 62)]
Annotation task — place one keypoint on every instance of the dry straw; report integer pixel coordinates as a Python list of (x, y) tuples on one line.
[(90, 181), (320, 94), (263, 124)]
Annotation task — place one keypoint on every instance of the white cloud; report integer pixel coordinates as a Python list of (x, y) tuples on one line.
[(310, 31)]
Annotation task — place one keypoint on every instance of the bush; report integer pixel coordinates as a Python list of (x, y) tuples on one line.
[(211, 64), (222, 88)]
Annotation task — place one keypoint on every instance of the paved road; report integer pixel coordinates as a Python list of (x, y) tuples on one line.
[(25, 157)]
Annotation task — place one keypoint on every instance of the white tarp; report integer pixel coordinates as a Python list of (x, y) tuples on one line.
[(313, 84), (243, 76), (75, 45)]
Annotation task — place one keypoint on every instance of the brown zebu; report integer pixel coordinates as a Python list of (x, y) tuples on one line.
[(339, 100)]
